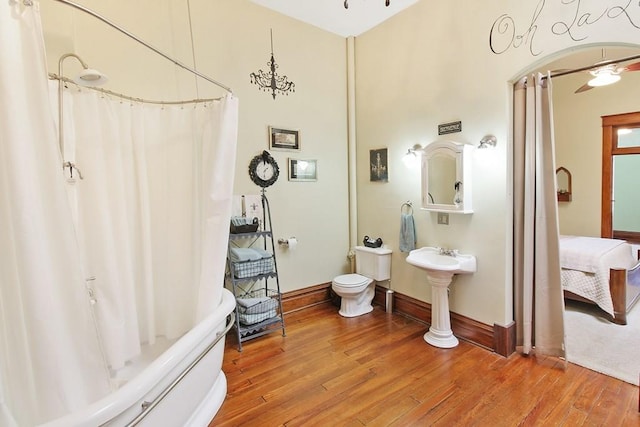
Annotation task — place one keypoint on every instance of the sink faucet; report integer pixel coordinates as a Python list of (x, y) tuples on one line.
[(448, 252)]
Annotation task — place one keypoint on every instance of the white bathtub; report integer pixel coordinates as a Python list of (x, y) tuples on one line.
[(193, 401)]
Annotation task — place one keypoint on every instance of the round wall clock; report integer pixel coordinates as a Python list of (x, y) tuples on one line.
[(263, 170)]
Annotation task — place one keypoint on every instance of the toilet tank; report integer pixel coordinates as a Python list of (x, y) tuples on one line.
[(374, 263)]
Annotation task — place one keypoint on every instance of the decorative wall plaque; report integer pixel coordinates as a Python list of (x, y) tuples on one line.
[(452, 127)]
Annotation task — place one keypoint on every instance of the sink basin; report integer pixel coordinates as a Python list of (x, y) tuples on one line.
[(429, 258)]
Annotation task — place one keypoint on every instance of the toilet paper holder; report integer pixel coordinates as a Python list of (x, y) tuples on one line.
[(285, 242)]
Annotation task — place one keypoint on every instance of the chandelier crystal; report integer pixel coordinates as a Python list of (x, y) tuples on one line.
[(270, 80)]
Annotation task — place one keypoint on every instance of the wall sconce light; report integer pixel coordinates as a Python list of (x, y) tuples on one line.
[(488, 140), (411, 157)]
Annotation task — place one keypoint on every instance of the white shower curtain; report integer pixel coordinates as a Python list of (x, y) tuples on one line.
[(147, 226), (153, 211), (538, 289), (50, 361)]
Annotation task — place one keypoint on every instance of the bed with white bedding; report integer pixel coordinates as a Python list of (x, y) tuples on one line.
[(601, 271)]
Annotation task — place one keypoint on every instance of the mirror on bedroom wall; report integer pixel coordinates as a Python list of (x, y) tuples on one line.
[(563, 182)]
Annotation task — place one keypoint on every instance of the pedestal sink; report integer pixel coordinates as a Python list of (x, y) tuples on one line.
[(440, 267)]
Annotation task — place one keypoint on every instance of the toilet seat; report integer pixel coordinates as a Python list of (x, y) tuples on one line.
[(351, 280), (357, 290), (356, 293)]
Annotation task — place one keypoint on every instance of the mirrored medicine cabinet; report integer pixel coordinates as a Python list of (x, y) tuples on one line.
[(446, 177)]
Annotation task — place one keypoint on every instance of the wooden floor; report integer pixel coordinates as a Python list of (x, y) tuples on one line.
[(376, 370)]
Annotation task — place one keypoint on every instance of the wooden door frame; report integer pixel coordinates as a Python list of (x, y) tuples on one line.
[(610, 125)]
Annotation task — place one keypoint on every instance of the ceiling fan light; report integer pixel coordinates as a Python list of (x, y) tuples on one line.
[(603, 79)]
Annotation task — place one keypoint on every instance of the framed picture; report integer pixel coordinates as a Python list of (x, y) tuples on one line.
[(378, 165), (303, 170), (284, 139)]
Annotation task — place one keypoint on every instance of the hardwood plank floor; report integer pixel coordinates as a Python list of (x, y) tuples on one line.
[(376, 370)]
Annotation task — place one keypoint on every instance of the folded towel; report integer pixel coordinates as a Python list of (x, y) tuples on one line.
[(262, 253), (407, 233), (250, 319), (244, 254), (250, 302), (256, 305)]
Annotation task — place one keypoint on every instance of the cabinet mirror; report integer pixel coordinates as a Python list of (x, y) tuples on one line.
[(446, 183)]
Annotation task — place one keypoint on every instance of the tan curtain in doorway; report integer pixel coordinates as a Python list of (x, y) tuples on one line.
[(539, 303)]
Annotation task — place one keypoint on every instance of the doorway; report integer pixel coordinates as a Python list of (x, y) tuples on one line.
[(620, 175)]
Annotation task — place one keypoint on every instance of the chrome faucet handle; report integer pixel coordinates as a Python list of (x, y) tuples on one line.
[(448, 252)]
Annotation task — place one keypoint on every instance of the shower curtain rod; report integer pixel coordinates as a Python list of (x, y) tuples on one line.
[(53, 76), (142, 42)]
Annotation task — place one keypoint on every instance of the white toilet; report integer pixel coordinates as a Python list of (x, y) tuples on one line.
[(357, 290)]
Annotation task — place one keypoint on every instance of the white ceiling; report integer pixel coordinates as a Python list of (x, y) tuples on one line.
[(330, 15)]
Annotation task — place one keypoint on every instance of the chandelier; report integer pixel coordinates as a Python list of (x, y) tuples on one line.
[(346, 3), (270, 80)]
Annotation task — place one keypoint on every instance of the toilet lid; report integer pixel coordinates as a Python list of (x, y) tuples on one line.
[(351, 280)]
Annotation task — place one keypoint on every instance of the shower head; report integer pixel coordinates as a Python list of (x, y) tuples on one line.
[(90, 77)]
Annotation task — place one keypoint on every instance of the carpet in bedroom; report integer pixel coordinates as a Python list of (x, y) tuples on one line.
[(595, 343)]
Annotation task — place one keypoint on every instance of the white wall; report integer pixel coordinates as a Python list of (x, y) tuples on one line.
[(433, 64), (428, 65), (410, 78)]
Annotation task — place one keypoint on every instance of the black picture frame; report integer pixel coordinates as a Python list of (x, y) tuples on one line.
[(379, 165), (283, 139)]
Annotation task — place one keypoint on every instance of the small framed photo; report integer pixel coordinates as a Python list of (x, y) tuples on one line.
[(378, 165), (303, 170), (284, 139)]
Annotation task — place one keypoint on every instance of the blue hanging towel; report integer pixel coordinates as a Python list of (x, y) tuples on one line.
[(407, 233)]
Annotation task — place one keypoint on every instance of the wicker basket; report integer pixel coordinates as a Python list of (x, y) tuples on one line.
[(260, 312), (244, 269), (243, 225)]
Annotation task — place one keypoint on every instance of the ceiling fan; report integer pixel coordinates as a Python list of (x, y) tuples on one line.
[(605, 73)]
